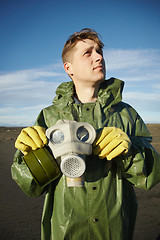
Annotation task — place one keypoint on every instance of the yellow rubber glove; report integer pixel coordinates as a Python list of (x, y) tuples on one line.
[(111, 142), (31, 138)]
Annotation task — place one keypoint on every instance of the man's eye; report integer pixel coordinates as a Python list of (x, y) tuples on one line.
[(100, 52), (87, 53)]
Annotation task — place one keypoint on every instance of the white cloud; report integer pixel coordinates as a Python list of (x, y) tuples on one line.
[(157, 85), (142, 96), (140, 69), (133, 65), (143, 102), (127, 59), (16, 121), (31, 86), (19, 116), (24, 93), (22, 78)]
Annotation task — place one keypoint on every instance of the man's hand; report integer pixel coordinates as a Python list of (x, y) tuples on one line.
[(111, 142), (31, 138)]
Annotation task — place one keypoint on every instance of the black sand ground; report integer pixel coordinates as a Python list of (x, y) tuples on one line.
[(20, 216)]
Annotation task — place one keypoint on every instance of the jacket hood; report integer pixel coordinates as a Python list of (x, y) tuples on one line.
[(110, 93)]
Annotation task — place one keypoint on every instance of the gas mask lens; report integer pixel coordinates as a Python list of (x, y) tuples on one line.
[(82, 134), (57, 136)]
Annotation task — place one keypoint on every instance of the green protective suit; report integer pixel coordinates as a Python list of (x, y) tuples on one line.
[(105, 208)]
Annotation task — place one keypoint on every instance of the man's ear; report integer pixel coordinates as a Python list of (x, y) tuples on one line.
[(68, 68)]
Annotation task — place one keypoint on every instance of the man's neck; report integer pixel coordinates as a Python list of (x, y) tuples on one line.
[(87, 93)]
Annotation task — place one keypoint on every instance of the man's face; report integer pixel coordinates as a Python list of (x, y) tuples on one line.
[(87, 62)]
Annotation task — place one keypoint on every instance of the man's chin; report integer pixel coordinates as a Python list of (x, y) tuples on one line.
[(101, 79)]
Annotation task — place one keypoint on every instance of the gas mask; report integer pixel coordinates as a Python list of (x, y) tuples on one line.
[(69, 142)]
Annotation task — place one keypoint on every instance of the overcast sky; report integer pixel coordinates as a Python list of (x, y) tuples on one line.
[(32, 37)]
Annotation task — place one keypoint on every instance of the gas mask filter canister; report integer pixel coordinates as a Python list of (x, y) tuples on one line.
[(69, 142)]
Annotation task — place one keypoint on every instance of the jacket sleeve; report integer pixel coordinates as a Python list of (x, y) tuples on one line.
[(142, 166), (20, 172)]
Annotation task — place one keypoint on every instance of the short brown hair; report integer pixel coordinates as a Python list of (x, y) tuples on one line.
[(85, 33)]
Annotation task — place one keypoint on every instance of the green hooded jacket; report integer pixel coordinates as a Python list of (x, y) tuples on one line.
[(105, 208)]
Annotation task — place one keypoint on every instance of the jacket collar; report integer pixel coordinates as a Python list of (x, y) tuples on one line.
[(110, 93)]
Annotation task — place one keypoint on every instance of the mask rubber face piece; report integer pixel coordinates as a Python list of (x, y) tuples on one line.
[(70, 142)]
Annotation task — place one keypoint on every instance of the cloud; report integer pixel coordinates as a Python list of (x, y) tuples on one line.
[(31, 86), (24, 93), (140, 69), (157, 85), (143, 101), (19, 116), (142, 96), (19, 79), (133, 65), (127, 59)]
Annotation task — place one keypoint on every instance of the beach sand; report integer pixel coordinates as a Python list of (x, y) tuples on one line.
[(20, 215)]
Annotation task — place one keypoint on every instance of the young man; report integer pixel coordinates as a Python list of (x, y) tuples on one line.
[(105, 207)]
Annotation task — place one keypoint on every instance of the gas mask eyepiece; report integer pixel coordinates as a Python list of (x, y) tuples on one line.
[(70, 141), (56, 137)]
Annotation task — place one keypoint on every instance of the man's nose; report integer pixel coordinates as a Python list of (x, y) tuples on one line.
[(98, 57)]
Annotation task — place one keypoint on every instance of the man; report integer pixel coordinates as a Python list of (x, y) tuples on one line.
[(105, 207)]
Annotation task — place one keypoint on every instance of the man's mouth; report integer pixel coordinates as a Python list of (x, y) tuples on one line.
[(98, 67)]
